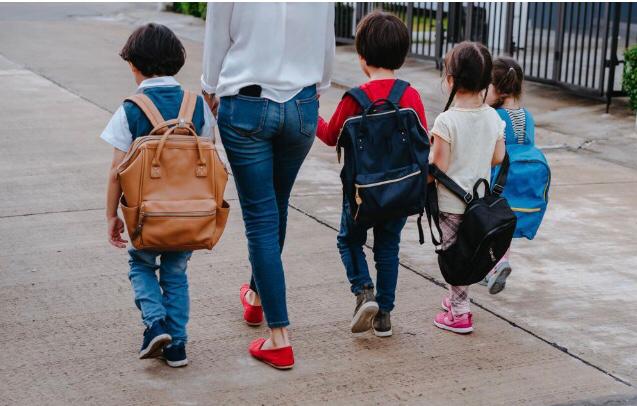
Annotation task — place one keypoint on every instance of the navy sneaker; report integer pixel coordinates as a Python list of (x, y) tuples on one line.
[(155, 338), (175, 355)]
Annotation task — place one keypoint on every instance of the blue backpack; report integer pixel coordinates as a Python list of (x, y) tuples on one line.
[(529, 177), (386, 164)]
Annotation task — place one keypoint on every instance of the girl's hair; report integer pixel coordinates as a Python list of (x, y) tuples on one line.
[(507, 79), (469, 64)]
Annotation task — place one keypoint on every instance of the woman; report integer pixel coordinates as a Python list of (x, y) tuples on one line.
[(264, 65)]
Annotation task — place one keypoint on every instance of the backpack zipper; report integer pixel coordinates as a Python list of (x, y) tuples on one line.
[(359, 200), (142, 214), (526, 210)]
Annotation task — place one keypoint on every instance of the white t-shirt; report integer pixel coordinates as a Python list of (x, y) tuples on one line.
[(283, 47), (472, 135)]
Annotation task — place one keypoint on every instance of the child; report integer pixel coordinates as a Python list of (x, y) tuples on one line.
[(382, 43), (504, 95), (468, 141), (154, 55)]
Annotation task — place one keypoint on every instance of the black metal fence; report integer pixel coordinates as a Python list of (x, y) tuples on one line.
[(579, 46)]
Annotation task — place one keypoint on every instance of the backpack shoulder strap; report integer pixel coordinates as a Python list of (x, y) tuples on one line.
[(397, 91), (529, 124), (501, 180), (147, 106), (509, 135), (360, 96), (187, 108), (450, 184)]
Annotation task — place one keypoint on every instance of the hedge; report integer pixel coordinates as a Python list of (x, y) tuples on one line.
[(193, 9), (629, 81)]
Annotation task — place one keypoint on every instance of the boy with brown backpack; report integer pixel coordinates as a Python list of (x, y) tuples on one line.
[(169, 183)]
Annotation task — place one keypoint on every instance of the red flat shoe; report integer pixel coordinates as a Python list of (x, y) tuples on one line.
[(253, 315), (279, 358)]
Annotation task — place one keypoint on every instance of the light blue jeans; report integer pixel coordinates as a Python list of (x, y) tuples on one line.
[(165, 297), (266, 143)]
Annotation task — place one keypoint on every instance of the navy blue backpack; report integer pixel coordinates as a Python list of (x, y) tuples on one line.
[(385, 168), (529, 177)]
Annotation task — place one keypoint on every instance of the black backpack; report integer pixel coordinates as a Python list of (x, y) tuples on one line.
[(485, 233), (385, 169)]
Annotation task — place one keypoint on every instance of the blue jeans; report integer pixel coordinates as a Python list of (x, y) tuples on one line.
[(166, 298), (266, 143), (350, 241)]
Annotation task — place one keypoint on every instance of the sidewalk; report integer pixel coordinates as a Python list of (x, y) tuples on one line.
[(70, 331)]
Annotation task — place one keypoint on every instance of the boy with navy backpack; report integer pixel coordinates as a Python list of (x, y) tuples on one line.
[(380, 126), (154, 54), (529, 175)]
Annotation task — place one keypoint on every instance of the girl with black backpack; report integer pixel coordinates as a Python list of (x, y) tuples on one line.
[(468, 142)]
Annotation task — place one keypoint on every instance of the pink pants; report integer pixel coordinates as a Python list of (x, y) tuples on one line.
[(458, 295)]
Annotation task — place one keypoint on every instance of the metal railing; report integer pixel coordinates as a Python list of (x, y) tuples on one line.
[(578, 46)]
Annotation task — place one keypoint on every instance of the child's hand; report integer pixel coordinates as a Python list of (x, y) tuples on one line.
[(115, 230)]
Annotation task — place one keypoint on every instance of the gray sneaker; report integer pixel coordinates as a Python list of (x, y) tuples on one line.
[(498, 280), (382, 324), (366, 309)]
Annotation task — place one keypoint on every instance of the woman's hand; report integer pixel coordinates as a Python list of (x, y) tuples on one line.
[(115, 227), (212, 100)]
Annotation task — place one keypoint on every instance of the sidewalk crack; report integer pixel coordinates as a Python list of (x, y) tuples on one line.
[(483, 307)]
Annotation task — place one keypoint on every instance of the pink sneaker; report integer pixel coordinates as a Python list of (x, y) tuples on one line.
[(462, 324), (446, 303)]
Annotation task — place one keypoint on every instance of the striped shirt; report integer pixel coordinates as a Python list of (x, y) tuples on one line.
[(518, 118)]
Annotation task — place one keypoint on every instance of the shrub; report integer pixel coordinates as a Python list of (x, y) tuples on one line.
[(193, 9), (629, 81)]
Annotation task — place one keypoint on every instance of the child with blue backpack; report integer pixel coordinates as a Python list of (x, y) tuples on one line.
[(529, 175), (382, 43)]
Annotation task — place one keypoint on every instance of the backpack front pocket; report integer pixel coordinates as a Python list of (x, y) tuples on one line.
[(188, 224), (380, 197)]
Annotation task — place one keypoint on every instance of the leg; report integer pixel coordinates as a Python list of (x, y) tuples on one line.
[(386, 247), (174, 284), (251, 159), (350, 241), (459, 298), (146, 288)]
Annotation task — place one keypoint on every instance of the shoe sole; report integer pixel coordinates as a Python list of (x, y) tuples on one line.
[(155, 346), (387, 333), (177, 364), (362, 320), (463, 330), (499, 279)]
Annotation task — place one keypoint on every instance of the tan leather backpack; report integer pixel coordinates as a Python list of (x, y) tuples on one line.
[(173, 183)]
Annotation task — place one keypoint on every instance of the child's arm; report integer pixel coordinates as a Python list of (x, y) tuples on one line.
[(328, 132), (440, 155), (113, 193), (498, 153)]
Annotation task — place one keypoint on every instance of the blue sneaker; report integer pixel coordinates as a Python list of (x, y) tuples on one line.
[(175, 355), (155, 338)]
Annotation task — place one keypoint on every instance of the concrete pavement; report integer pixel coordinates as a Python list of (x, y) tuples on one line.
[(70, 330)]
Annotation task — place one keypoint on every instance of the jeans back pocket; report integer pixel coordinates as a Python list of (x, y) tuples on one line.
[(244, 114), (308, 115)]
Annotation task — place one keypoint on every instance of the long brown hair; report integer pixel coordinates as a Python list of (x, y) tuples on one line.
[(507, 78), (469, 64)]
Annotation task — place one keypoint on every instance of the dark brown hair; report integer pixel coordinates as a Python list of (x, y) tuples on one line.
[(155, 50), (507, 78), (469, 64), (382, 39)]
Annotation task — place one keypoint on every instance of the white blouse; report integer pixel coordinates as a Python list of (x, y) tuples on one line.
[(283, 47)]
